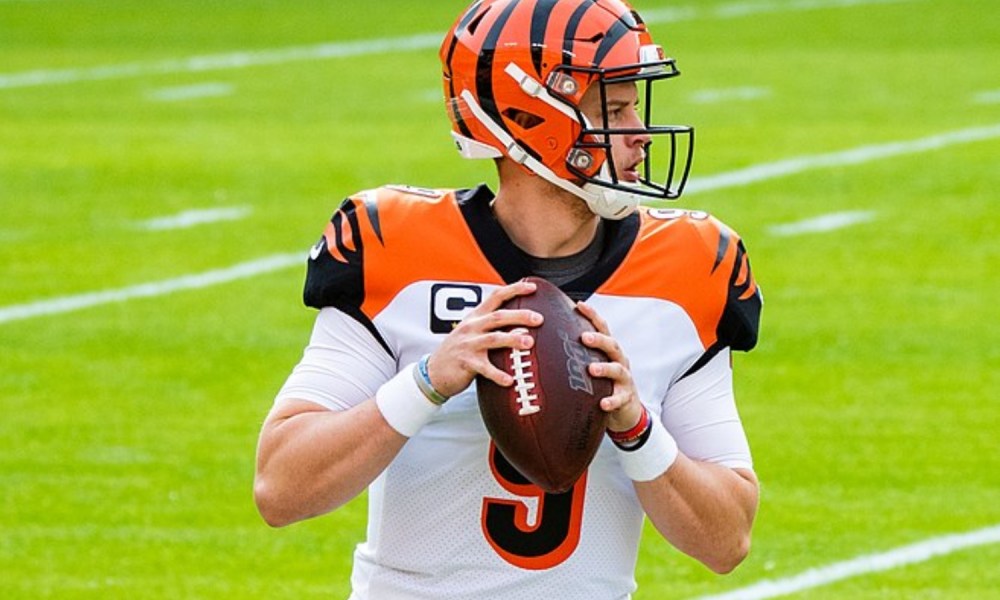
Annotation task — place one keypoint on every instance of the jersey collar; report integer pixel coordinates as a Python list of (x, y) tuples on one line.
[(512, 264)]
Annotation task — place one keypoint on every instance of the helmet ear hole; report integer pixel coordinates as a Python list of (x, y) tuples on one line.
[(523, 119)]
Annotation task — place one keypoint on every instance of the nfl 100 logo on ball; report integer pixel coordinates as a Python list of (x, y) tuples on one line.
[(549, 424)]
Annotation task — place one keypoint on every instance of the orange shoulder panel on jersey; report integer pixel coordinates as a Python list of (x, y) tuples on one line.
[(379, 241), (693, 260)]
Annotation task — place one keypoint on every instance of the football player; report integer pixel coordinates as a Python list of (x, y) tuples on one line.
[(408, 284)]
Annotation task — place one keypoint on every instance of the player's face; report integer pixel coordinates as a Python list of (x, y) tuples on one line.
[(622, 103)]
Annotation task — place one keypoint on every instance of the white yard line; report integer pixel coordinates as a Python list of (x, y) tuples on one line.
[(823, 223), (863, 565), (197, 281), (425, 41), (267, 264), (217, 62), (714, 96), (191, 218), (734, 10), (987, 97), (190, 92), (854, 156)]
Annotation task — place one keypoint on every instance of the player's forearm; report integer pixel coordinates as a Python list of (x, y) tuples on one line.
[(312, 462), (703, 509)]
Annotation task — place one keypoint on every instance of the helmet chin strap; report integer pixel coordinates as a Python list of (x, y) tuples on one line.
[(610, 203), (604, 202)]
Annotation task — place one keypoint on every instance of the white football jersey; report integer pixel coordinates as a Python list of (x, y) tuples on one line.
[(450, 517)]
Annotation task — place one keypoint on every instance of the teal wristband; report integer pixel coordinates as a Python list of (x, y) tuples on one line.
[(423, 379)]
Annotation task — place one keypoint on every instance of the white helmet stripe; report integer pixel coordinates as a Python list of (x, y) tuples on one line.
[(534, 88)]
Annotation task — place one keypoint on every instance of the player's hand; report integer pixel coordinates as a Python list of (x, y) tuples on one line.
[(464, 352), (623, 406)]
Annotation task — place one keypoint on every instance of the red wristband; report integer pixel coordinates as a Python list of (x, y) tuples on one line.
[(634, 433)]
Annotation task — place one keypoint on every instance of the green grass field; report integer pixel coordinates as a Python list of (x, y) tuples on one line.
[(128, 428)]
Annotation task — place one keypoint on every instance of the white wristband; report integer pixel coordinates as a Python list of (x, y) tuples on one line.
[(403, 404), (653, 457)]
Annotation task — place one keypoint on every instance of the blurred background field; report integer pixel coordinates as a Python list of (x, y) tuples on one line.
[(144, 142)]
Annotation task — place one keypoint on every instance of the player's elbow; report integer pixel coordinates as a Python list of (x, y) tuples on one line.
[(726, 561), (270, 506)]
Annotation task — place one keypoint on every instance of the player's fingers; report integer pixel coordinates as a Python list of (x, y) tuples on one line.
[(465, 355), (613, 402), (517, 338), (500, 319), (606, 344), (595, 319), (497, 376), (503, 294), (624, 411), (619, 398), (623, 391), (614, 371), (479, 324)]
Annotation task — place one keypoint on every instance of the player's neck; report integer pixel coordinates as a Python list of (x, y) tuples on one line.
[(541, 219)]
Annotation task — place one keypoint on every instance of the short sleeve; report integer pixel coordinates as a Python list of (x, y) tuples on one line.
[(342, 366)]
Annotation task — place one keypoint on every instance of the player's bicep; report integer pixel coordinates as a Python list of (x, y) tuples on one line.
[(700, 412), (342, 366)]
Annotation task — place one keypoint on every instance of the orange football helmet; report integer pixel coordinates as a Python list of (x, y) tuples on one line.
[(515, 72)]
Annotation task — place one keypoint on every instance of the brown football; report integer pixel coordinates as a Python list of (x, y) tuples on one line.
[(549, 424)]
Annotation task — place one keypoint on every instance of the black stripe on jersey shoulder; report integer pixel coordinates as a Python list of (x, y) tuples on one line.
[(339, 282), (740, 323), (739, 326), (725, 236), (513, 264), (371, 208)]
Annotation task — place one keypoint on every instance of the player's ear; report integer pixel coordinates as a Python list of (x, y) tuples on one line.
[(523, 119)]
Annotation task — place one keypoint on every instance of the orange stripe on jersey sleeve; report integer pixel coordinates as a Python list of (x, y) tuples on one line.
[(682, 257), (330, 233), (346, 237), (417, 238), (743, 277)]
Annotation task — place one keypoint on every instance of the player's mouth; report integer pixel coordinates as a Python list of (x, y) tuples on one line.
[(630, 173)]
